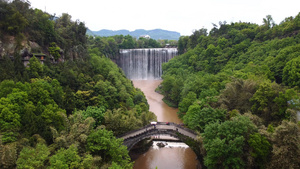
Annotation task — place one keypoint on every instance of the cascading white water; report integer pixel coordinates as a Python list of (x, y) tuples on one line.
[(144, 64)]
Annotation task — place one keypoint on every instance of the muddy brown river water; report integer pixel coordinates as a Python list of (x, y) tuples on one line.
[(173, 156)]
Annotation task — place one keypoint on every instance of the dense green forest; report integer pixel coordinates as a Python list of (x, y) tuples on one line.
[(65, 112), (238, 86)]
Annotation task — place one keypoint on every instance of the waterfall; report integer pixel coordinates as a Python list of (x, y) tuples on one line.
[(145, 63)]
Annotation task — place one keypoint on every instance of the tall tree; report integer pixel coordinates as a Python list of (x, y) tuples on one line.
[(225, 142), (103, 143)]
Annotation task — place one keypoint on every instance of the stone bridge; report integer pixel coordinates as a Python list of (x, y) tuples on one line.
[(161, 128)]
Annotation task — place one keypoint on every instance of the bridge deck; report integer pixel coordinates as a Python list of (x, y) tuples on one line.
[(161, 128)]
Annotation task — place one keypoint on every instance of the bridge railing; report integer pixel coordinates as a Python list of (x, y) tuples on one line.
[(184, 128), (133, 131), (158, 123), (153, 132), (135, 139)]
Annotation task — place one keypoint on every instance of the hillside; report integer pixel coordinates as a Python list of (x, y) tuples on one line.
[(154, 34), (60, 97), (238, 86)]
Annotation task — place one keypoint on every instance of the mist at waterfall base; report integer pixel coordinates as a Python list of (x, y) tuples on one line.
[(144, 64)]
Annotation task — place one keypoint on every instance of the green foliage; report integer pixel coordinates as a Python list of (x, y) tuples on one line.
[(240, 50), (33, 157), (261, 97), (97, 113), (236, 95), (286, 50), (71, 36), (30, 108), (128, 43), (10, 120), (261, 148), (20, 20), (12, 21), (182, 44), (225, 142), (171, 88), (121, 121), (230, 68), (110, 46), (286, 149), (147, 43), (193, 40), (200, 114), (270, 102), (186, 102), (38, 106), (76, 131), (270, 128), (240, 67), (115, 166), (69, 158), (103, 143), (9, 137), (6, 68), (41, 96), (291, 73), (54, 50), (41, 27)]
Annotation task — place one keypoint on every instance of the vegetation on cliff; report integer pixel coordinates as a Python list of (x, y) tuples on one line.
[(22, 27), (66, 112)]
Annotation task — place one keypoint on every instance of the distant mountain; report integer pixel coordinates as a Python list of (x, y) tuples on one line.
[(154, 34), (89, 32)]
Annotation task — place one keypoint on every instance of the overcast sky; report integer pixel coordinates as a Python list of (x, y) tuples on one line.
[(182, 16)]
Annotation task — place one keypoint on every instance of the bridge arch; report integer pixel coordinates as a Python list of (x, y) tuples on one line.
[(161, 128)]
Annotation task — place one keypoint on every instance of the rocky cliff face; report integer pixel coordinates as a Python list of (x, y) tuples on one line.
[(9, 47)]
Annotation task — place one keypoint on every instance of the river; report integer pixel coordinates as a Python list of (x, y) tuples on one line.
[(173, 156)]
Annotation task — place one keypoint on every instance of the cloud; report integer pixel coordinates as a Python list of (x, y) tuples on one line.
[(181, 16)]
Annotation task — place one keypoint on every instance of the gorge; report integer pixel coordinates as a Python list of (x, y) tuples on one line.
[(64, 101), (143, 67)]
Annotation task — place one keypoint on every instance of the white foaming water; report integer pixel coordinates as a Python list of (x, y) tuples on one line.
[(144, 64), (169, 144)]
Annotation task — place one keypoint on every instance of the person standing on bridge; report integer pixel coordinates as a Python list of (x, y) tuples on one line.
[(154, 124)]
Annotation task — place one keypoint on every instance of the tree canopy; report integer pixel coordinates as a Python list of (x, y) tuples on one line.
[(54, 114), (239, 71), (236, 84)]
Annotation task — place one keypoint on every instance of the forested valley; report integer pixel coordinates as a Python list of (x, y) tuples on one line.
[(67, 111), (236, 85)]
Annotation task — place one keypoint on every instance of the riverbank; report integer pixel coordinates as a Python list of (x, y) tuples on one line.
[(159, 91)]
